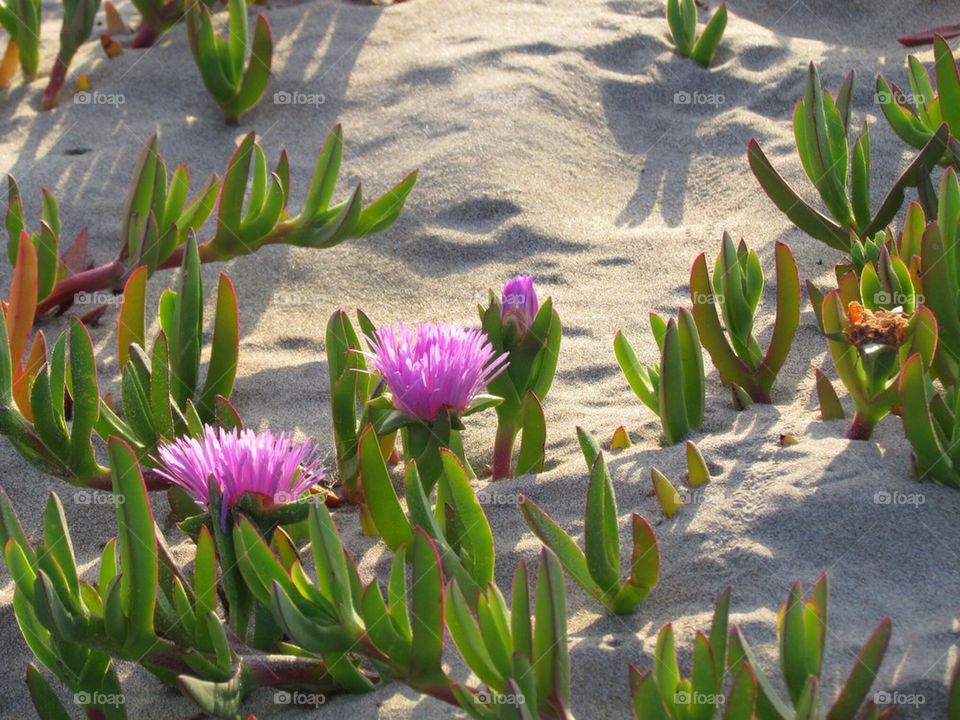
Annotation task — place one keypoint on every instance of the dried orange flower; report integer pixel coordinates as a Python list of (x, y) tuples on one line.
[(884, 327)]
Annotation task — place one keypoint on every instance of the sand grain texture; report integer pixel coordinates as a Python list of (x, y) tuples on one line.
[(549, 141)]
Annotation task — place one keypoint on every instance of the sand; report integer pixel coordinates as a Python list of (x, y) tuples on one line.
[(549, 141)]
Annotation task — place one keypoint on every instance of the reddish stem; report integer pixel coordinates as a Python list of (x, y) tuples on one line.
[(503, 451), (925, 37), (57, 77), (109, 276), (861, 427), (145, 36)]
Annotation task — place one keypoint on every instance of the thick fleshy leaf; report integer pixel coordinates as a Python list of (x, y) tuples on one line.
[(601, 534), (381, 498), (138, 546), (534, 438), (551, 661), (427, 610), (222, 368), (864, 671)]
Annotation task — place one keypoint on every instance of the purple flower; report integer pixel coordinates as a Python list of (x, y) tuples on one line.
[(241, 462), (432, 367), (519, 304)]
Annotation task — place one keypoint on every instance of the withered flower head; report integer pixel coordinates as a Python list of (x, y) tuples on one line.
[(883, 327)]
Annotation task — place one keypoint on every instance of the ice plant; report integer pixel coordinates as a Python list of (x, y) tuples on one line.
[(231, 474), (930, 424), (456, 523), (802, 631), (338, 619), (663, 692), (157, 16), (674, 388), (868, 348), (530, 335), (682, 19), (736, 290), (838, 170), (916, 116), (352, 387), (236, 84), (597, 570), (249, 207), (161, 397), (75, 29), (523, 664), (436, 374), (140, 607), (21, 20)]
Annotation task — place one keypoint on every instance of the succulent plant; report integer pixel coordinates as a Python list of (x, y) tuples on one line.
[(231, 476), (674, 389), (457, 524), (840, 173), (530, 335), (236, 84), (736, 289), (682, 19), (435, 375), (664, 694), (598, 569), (339, 621), (21, 20), (930, 423), (142, 609), (251, 212), (868, 349), (802, 632), (352, 386), (75, 29), (157, 16), (917, 116), (525, 665), (159, 397)]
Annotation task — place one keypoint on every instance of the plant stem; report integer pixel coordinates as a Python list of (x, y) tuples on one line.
[(145, 36), (57, 77), (109, 276), (861, 427), (503, 449)]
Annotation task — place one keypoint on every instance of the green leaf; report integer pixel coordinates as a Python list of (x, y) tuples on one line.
[(86, 401), (601, 534), (707, 43), (476, 549), (552, 535), (222, 369), (427, 611), (138, 546), (550, 654), (864, 671), (186, 338), (381, 498), (534, 438), (43, 696)]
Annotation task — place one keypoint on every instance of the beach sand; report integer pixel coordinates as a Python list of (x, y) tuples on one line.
[(551, 138)]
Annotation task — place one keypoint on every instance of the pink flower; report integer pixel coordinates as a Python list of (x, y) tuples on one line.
[(241, 462), (519, 304), (432, 367)]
